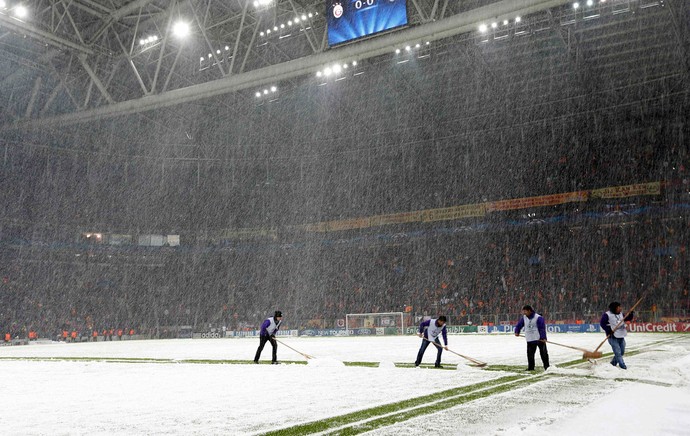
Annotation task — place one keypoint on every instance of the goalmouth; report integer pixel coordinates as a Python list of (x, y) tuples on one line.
[(378, 324)]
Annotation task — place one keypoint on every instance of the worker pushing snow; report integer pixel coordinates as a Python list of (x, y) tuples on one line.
[(429, 331)]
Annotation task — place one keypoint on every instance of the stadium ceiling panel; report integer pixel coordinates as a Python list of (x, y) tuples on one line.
[(65, 61)]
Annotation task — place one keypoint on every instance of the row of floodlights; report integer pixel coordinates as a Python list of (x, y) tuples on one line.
[(409, 48), (260, 3), (19, 11), (149, 40), (295, 20), (210, 55), (589, 3), (576, 5), (334, 69), (270, 90), (483, 27), (180, 29)]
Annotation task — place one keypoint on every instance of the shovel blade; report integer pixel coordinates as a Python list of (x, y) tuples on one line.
[(592, 354)]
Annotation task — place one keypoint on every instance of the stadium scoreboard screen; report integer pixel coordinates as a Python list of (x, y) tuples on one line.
[(353, 19)]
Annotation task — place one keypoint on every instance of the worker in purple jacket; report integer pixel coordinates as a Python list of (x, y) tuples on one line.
[(430, 330), (535, 334), (609, 321), (269, 328)]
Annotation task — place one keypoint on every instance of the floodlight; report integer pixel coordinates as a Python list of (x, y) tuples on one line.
[(310, 15), (318, 74), (590, 2), (354, 63), (407, 48), (304, 17), (337, 68), (217, 51), (181, 29), (327, 72), (258, 94), (576, 5), (21, 11), (494, 25), (265, 91), (482, 28), (3, 4), (518, 19), (505, 22), (289, 23), (273, 89)]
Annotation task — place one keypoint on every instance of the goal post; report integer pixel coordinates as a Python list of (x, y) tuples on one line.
[(378, 324)]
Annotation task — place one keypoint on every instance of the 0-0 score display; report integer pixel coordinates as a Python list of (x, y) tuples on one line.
[(359, 4), (353, 19)]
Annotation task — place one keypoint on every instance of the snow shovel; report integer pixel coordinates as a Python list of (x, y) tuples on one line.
[(586, 354), (307, 356), (475, 362), (616, 327)]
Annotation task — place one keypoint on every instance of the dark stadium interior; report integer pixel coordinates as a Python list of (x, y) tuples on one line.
[(564, 103)]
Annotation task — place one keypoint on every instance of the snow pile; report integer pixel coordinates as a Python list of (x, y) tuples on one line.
[(680, 368), (468, 367), (325, 362)]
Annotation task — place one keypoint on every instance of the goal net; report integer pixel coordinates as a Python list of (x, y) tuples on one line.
[(378, 324)]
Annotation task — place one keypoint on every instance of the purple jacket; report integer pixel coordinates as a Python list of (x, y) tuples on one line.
[(266, 324), (541, 326), (425, 325), (604, 322)]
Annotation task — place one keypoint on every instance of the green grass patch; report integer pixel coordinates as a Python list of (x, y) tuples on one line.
[(92, 359), (149, 360), (510, 368), (365, 364), (426, 365), (338, 421)]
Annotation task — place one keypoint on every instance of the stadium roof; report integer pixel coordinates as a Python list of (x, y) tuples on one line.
[(70, 61)]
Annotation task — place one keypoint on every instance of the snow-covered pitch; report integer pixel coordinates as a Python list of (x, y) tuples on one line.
[(193, 387)]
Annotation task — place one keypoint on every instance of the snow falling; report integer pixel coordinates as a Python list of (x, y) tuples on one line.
[(173, 173)]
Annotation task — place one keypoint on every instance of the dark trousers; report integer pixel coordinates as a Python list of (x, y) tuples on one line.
[(532, 349), (262, 342), (423, 348)]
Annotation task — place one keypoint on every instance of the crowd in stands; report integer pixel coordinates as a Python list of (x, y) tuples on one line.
[(566, 271)]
